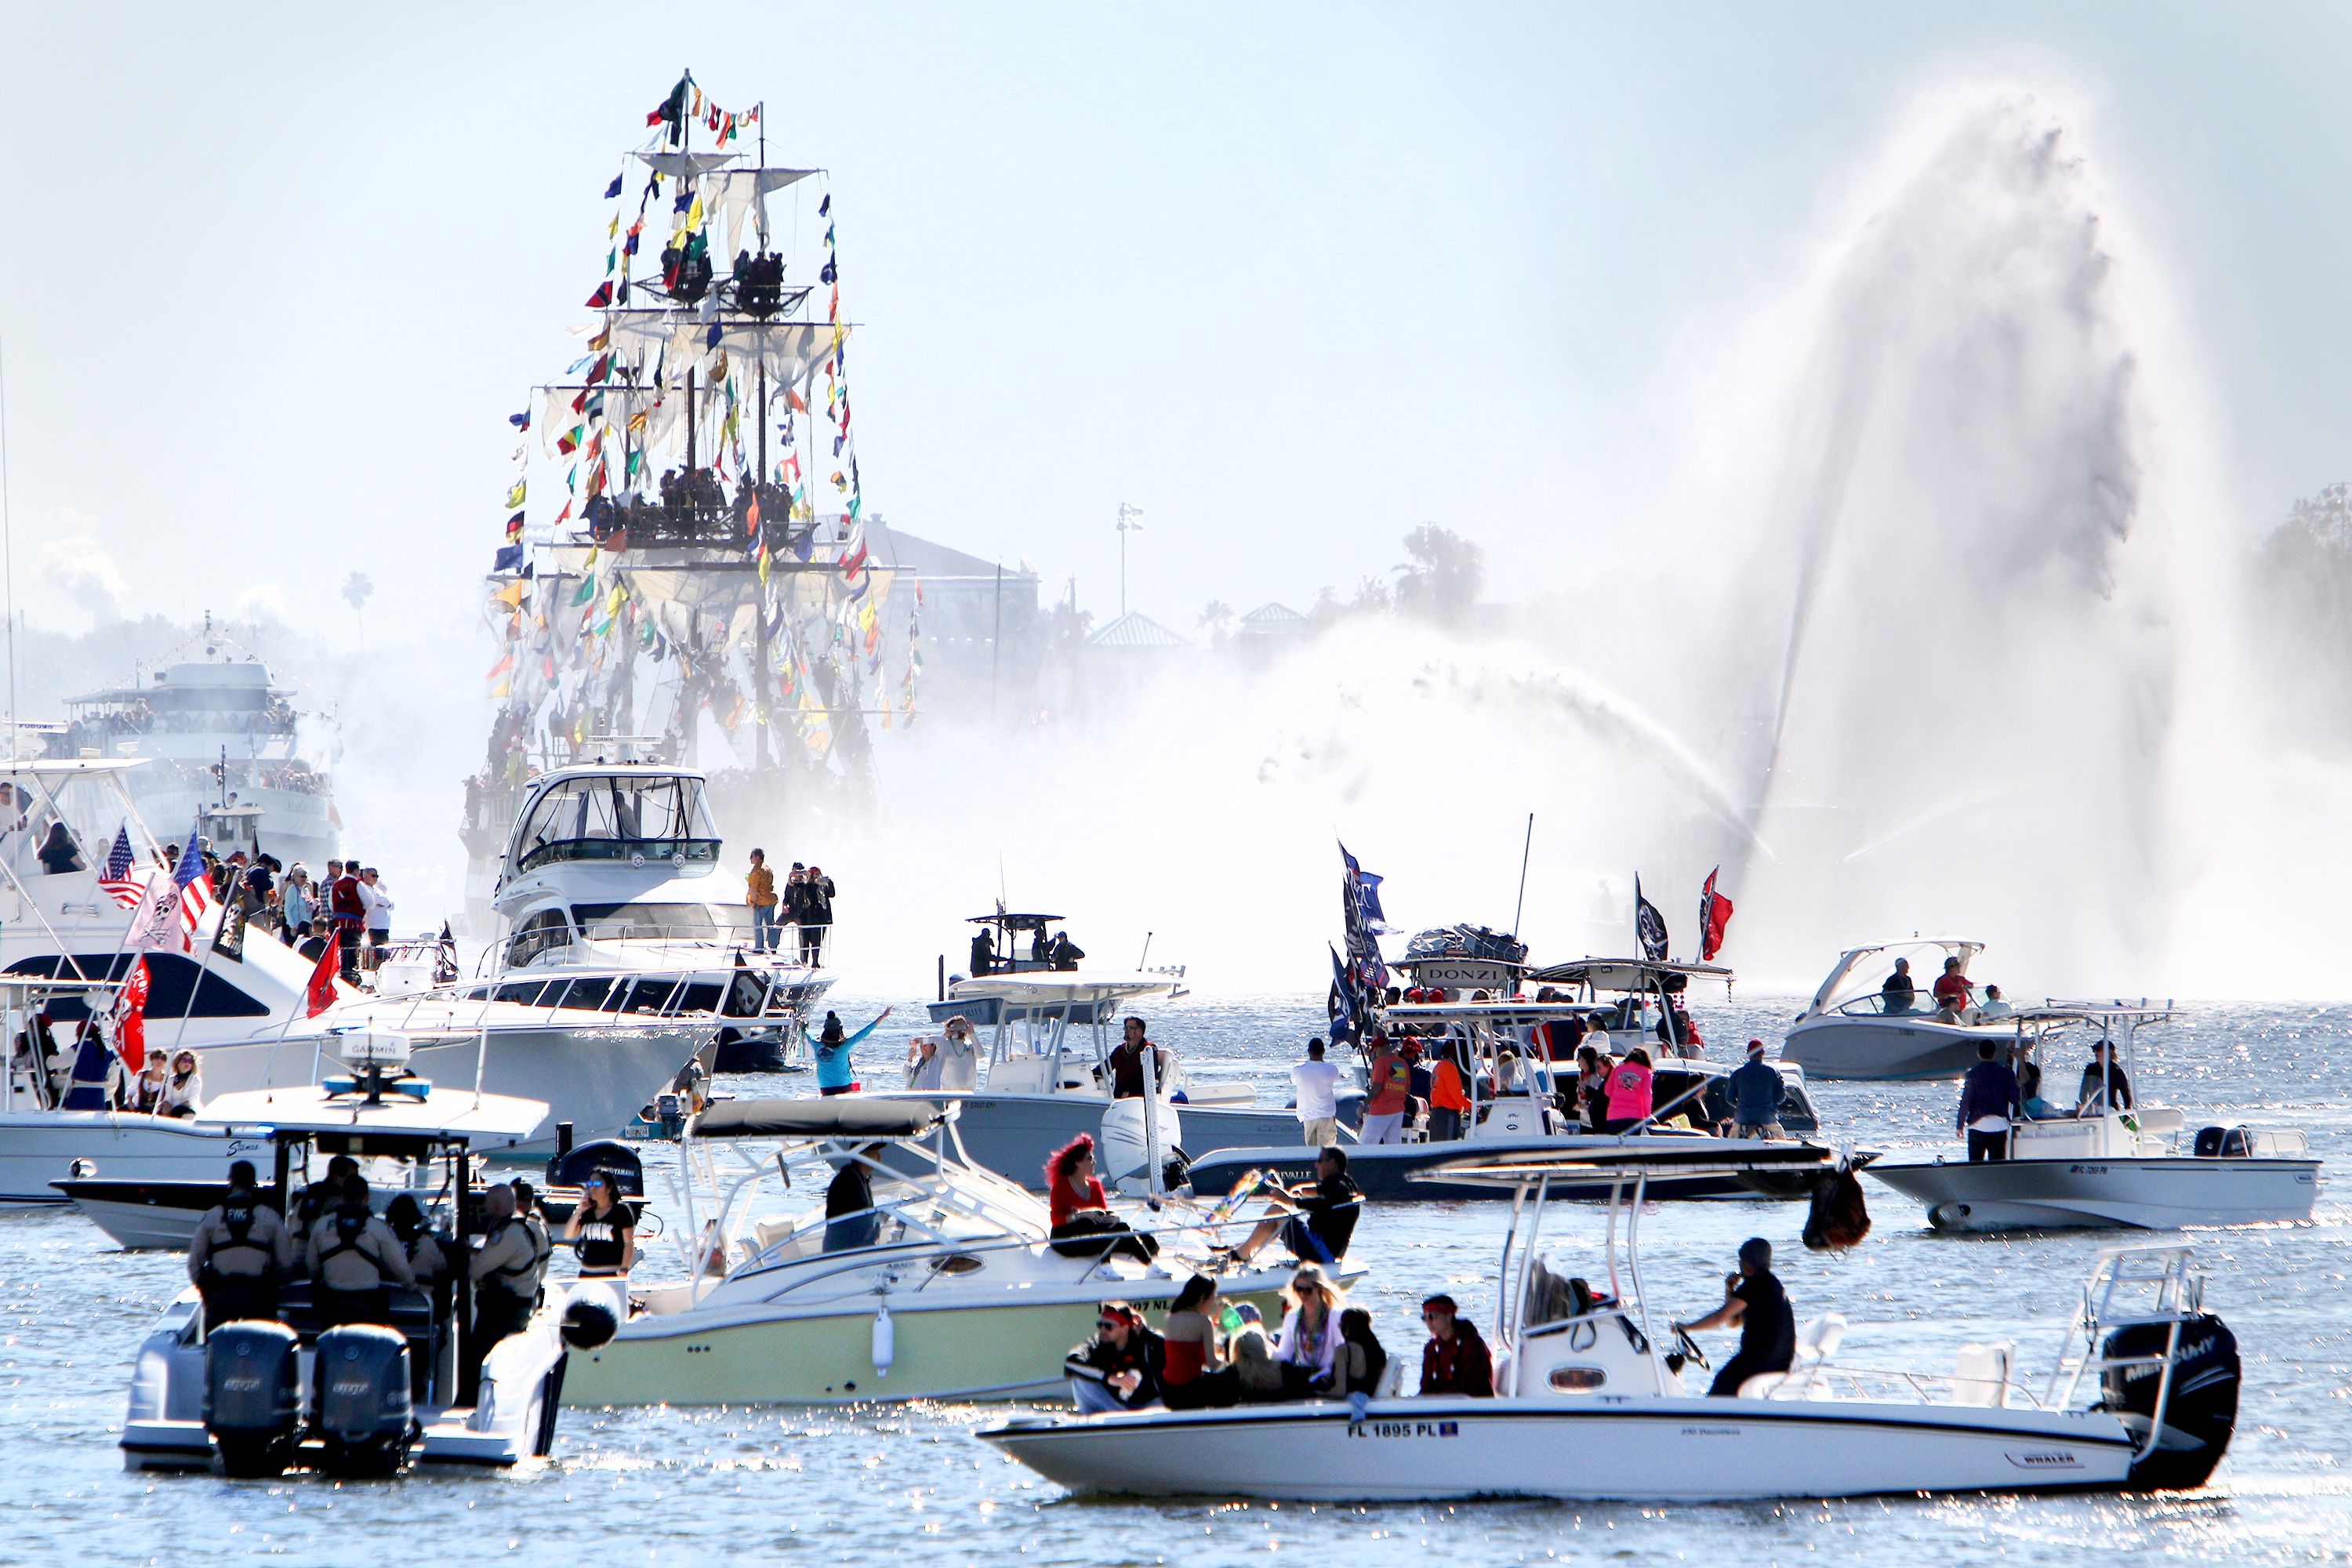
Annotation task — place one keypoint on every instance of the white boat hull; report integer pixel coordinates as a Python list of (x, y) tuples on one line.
[(1012, 1134), (38, 1147), (1669, 1450), (2161, 1193), (1906, 1047)]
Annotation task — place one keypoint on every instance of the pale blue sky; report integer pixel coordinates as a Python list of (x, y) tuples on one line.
[(1293, 279)]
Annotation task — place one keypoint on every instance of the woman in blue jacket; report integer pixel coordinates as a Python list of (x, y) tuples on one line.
[(832, 1047)]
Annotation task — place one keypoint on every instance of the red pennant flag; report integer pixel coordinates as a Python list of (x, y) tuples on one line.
[(850, 568), (751, 519), (130, 1018), (603, 368), (1714, 915), (501, 668), (320, 993), (602, 297)]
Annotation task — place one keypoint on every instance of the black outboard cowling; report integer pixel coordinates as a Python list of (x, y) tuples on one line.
[(2200, 1407), (569, 1170), (363, 1410), (589, 1323), (253, 1396)]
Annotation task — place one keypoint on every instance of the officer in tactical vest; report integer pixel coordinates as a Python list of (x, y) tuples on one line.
[(352, 1253), (526, 1203), (240, 1251), (505, 1269)]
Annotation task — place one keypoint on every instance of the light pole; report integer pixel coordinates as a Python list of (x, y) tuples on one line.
[(1128, 523)]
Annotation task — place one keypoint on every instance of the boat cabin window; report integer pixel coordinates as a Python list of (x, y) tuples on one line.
[(526, 991), (170, 979), (613, 817), (701, 997), (538, 933), (650, 995), (678, 922), (588, 995)]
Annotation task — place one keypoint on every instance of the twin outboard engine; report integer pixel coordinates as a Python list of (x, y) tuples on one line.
[(2201, 1403), (253, 1397), (364, 1412)]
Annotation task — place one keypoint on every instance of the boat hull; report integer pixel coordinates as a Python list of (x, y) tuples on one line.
[(1384, 1171), (1680, 1449), (2162, 1193), (947, 1351), (39, 1148), (1905, 1048)]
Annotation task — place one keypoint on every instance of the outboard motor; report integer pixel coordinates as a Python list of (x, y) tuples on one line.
[(1119, 1151), (253, 1397), (574, 1166), (589, 1323), (2201, 1407), (361, 1373)]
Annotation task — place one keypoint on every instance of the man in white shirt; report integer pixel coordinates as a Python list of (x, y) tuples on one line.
[(1994, 1005), (1316, 1082), (379, 915)]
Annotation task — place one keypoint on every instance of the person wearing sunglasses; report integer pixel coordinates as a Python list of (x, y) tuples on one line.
[(603, 1229), (1121, 1367)]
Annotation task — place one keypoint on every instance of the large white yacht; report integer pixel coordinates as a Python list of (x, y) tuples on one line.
[(616, 867), (220, 736), (243, 1007)]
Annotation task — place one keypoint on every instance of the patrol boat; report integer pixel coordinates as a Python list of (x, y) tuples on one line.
[(2113, 1165), (1590, 1403), (257, 1397)]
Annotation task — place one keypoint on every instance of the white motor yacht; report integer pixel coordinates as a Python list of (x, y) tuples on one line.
[(243, 1005), (945, 1286), (1042, 1085), (1855, 1028), (1591, 1403), (616, 865), (2133, 1165), (257, 1398)]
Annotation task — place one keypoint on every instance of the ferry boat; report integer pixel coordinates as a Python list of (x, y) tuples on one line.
[(222, 737)]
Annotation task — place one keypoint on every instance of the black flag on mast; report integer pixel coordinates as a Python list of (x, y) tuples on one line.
[(1649, 926)]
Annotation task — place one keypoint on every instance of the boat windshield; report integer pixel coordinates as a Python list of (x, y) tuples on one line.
[(1854, 986), (675, 922), (615, 817)]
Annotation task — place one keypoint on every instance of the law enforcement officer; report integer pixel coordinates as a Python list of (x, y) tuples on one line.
[(352, 1253), (241, 1248)]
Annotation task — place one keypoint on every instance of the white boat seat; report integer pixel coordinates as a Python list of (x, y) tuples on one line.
[(1392, 1385), (1981, 1375), (1819, 1340)]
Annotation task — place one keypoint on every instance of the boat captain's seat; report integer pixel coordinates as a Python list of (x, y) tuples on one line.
[(1981, 1375), (1817, 1340)]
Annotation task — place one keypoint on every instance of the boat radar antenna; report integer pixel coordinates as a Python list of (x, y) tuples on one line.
[(1128, 522), (1525, 850)]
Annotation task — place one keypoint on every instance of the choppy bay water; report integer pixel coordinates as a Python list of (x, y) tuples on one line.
[(910, 1484)]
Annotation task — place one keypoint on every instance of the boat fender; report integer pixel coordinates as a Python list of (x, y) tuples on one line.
[(885, 1343)]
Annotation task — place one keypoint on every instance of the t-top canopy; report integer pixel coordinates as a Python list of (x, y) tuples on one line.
[(1630, 1161), (1047, 987), (1012, 922), (1622, 973), (449, 1116), (847, 1116)]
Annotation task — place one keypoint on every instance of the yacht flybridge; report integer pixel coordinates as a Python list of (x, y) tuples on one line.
[(1591, 1403), (2110, 1164), (1855, 1028), (616, 865), (943, 1283)]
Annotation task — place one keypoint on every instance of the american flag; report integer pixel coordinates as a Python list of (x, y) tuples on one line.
[(116, 880), (195, 886)]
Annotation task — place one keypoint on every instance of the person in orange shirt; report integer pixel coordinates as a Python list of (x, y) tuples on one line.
[(1385, 1085), (1449, 1104)]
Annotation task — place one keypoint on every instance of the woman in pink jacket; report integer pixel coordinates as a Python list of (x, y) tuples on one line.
[(1629, 1092)]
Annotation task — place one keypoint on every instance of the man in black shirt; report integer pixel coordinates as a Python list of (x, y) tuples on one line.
[(1121, 1367), (1324, 1215), (2105, 1086), (1127, 1064), (1753, 1300), (1897, 992)]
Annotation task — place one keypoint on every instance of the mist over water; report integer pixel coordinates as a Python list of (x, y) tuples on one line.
[(1947, 645)]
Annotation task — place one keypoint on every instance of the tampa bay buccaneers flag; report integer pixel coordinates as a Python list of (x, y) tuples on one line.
[(1649, 926), (1714, 914)]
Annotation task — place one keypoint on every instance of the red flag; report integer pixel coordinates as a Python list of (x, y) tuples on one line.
[(751, 519), (321, 993), (130, 1018), (1714, 914), (602, 297)]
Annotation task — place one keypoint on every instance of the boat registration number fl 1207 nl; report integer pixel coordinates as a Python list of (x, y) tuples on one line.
[(1404, 1428)]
